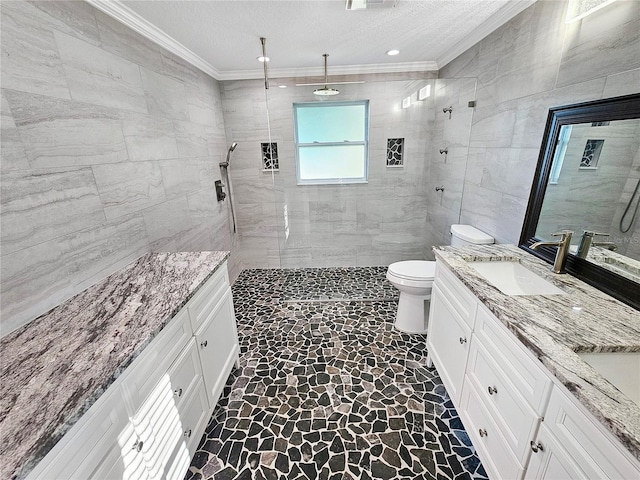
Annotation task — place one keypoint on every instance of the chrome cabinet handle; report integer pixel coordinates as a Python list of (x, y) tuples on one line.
[(187, 433), (138, 446), (536, 447), (492, 390), (463, 340), (482, 432), (178, 392), (204, 344)]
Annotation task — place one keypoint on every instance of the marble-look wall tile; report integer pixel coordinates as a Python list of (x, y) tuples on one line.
[(601, 44), (532, 63), (38, 205), (37, 278), (66, 133), (149, 138), (30, 58), (192, 139), (127, 188), (167, 221), (82, 153), (11, 148), (165, 95), (99, 77)]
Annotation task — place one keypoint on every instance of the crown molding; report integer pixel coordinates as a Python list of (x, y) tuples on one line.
[(506, 13), (123, 14), (333, 70)]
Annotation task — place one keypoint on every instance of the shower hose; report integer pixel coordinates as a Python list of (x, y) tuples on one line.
[(626, 210)]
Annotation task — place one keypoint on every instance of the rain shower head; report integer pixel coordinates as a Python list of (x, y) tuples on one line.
[(326, 90)]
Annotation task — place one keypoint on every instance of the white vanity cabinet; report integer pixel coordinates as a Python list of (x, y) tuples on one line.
[(451, 319), (148, 423), (521, 419)]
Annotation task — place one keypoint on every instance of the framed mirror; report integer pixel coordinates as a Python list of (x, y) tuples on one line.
[(588, 181)]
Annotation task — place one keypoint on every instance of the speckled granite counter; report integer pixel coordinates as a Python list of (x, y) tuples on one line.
[(55, 367), (557, 327)]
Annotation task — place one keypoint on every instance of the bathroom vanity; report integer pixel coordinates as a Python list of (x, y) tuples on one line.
[(120, 380), (512, 365)]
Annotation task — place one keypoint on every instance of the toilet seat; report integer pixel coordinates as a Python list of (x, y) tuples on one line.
[(413, 270)]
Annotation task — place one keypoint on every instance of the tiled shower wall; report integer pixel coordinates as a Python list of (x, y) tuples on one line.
[(110, 148), (534, 62), (376, 223)]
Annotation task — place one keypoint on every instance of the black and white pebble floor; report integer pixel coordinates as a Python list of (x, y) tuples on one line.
[(328, 389)]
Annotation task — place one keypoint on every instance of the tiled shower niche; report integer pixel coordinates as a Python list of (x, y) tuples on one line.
[(395, 152), (270, 156)]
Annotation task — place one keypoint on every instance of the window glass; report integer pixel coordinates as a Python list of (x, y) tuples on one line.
[(332, 142)]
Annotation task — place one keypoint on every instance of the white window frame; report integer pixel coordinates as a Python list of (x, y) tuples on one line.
[(365, 143)]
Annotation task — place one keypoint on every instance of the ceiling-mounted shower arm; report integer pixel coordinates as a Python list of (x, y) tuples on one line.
[(263, 42)]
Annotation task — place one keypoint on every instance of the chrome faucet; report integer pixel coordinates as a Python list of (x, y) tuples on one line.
[(586, 242), (563, 249)]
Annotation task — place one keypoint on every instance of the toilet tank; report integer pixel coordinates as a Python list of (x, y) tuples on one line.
[(467, 235)]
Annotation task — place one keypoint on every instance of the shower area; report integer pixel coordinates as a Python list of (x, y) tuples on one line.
[(418, 133)]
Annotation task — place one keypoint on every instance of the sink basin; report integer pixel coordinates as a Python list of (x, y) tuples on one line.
[(511, 278), (622, 370)]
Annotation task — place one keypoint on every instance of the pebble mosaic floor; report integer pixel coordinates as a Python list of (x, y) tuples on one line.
[(328, 390)]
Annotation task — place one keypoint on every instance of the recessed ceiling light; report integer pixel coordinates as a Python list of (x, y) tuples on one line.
[(282, 86), (393, 52), (263, 59)]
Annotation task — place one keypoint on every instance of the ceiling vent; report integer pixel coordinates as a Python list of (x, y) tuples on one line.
[(362, 4)]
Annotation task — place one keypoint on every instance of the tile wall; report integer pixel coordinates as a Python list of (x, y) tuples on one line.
[(534, 62), (376, 223), (110, 148)]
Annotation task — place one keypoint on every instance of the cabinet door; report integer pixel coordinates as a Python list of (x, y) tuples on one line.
[(124, 461), (218, 347), (448, 343), (551, 461)]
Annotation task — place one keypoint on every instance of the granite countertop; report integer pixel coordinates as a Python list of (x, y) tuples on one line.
[(555, 328), (54, 368)]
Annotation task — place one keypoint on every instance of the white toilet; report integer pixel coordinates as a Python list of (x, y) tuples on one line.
[(414, 279)]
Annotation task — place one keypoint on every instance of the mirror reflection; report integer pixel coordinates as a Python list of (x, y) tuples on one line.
[(594, 190)]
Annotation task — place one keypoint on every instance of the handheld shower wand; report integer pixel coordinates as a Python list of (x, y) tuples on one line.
[(233, 146), (224, 166)]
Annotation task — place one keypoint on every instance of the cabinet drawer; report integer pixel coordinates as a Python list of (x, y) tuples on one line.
[(525, 373), (448, 342), (596, 451), (185, 373), (202, 304), (147, 370), (462, 300), (493, 449), (513, 415)]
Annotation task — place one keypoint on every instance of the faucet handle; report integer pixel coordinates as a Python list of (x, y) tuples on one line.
[(589, 233), (564, 234)]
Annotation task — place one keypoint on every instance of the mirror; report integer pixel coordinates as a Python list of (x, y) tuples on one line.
[(588, 181)]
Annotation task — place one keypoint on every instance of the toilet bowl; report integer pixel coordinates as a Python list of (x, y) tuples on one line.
[(414, 279)]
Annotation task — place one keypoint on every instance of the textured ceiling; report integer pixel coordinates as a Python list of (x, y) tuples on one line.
[(226, 33)]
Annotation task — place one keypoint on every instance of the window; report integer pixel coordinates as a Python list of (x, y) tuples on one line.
[(561, 150), (332, 142)]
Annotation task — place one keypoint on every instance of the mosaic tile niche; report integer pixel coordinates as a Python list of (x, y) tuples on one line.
[(591, 154), (327, 389), (270, 156), (395, 152)]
